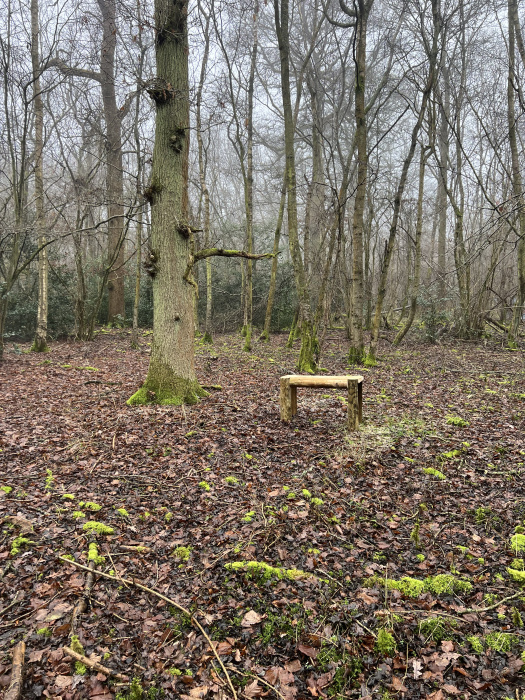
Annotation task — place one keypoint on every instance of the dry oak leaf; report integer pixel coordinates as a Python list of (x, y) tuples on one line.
[(24, 524), (451, 689), (63, 681), (438, 695), (253, 690), (199, 692), (366, 598), (223, 648), (293, 666), (397, 684), (251, 618), (277, 674), (312, 652)]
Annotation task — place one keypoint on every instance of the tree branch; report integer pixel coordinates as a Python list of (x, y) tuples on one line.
[(221, 252), (69, 70)]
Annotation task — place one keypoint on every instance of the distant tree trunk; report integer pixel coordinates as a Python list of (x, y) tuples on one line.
[(248, 190), (115, 185), (265, 335), (40, 341), (308, 351), (356, 349), (414, 282), (114, 175), (139, 190), (138, 271), (171, 375), (517, 186), (442, 200), (389, 248), (207, 338)]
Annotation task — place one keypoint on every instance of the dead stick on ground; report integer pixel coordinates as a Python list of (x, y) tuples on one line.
[(81, 606), (94, 664), (255, 676), (15, 600), (168, 600), (467, 611), (15, 686)]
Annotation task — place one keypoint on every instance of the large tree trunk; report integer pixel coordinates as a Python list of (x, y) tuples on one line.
[(40, 341), (171, 376)]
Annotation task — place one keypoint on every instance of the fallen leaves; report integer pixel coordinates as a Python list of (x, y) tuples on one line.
[(251, 618), (300, 637)]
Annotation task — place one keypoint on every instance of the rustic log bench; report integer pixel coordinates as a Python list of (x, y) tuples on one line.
[(352, 383)]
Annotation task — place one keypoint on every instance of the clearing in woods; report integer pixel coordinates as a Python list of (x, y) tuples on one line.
[(318, 562)]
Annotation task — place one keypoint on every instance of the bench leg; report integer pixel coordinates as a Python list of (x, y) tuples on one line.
[(360, 398), (293, 395), (353, 404), (285, 400)]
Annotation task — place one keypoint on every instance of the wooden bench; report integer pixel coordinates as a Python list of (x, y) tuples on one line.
[(352, 383)]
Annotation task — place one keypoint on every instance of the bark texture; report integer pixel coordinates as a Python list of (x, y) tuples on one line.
[(171, 376)]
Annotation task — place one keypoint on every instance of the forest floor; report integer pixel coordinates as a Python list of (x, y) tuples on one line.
[(374, 577)]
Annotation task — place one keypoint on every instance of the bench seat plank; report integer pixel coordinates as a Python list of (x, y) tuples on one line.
[(336, 382)]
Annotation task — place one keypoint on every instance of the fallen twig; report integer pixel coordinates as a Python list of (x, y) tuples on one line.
[(15, 686), (94, 664), (15, 600), (256, 677), (193, 619), (81, 606)]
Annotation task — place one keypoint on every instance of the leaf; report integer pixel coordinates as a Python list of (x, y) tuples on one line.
[(35, 655), (417, 666), (253, 690), (251, 618), (293, 666), (223, 648), (312, 652), (447, 645), (325, 679), (366, 598), (438, 695), (397, 684), (451, 689), (63, 681)]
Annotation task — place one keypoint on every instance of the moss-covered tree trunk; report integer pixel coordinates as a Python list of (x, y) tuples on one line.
[(171, 375)]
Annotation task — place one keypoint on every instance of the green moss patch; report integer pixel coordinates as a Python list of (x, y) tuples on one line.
[(517, 542), (442, 584), (263, 572), (97, 528), (434, 472)]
